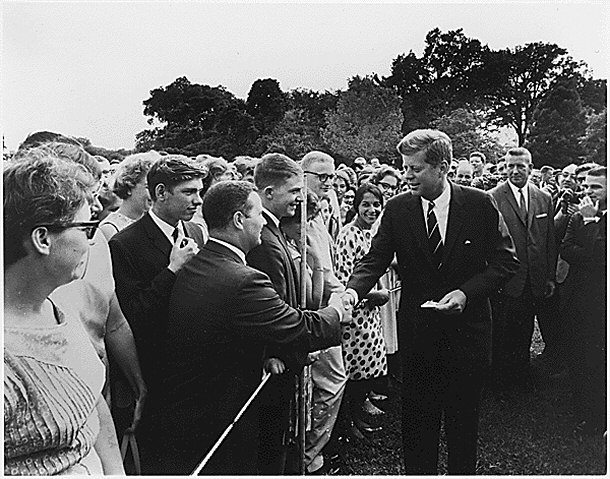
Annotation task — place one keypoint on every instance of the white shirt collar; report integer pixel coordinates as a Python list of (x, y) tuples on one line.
[(276, 222), (515, 191), (168, 230), (233, 248)]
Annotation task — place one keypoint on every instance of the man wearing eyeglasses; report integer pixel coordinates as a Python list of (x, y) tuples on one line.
[(328, 372)]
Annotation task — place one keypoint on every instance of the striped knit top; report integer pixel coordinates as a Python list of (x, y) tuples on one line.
[(52, 381)]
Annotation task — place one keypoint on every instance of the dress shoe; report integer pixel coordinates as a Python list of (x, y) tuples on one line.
[(371, 409), (364, 426), (373, 396)]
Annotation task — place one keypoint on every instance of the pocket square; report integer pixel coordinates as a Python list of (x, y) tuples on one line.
[(541, 215), (467, 242)]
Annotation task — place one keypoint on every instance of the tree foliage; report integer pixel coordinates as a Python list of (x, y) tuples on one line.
[(468, 132), (266, 103), (558, 124), (366, 121), (595, 140)]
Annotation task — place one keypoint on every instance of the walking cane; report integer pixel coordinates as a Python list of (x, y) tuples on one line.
[(302, 419)]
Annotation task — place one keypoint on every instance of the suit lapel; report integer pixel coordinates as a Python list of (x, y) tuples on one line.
[(455, 221), (157, 238), (415, 216), (513, 202), (534, 200)]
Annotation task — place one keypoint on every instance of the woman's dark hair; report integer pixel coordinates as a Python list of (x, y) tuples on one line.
[(367, 188), (40, 188), (384, 171)]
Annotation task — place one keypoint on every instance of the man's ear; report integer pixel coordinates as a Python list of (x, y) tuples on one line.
[(238, 220), (268, 192), (160, 191), (40, 240)]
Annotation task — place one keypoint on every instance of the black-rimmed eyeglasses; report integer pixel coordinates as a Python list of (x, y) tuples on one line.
[(89, 227), (323, 177)]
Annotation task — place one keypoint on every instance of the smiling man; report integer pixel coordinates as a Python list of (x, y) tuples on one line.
[(453, 249), (279, 181)]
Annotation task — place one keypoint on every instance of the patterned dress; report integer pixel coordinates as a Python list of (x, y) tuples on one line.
[(52, 381), (364, 353)]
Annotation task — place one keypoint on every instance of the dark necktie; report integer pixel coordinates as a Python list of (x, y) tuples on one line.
[(434, 237), (522, 207), (175, 234)]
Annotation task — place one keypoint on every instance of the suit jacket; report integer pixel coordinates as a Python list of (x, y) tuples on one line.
[(585, 248), (273, 258), (534, 239), (140, 256), (478, 258), (221, 314)]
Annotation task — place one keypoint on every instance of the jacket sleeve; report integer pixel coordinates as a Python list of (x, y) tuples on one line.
[(266, 257), (139, 296), (257, 311), (376, 262), (578, 243), (500, 255)]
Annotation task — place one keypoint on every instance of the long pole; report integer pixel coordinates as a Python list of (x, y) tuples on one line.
[(302, 420)]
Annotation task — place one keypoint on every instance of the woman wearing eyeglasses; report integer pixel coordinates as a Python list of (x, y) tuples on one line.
[(56, 421)]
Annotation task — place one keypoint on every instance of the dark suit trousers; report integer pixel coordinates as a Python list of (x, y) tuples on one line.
[(433, 387), (513, 326)]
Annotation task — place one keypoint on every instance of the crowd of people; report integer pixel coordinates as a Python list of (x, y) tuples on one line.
[(145, 299)]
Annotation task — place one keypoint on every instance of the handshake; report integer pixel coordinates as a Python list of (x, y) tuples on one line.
[(344, 302)]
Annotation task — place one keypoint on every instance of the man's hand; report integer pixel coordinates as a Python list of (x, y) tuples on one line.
[(344, 305), (453, 302), (183, 250), (549, 288), (275, 366), (587, 208), (377, 298)]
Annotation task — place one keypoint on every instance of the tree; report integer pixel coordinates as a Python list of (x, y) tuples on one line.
[(595, 140), (445, 78), (190, 118), (266, 103), (468, 132), (520, 78), (366, 122), (558, 124)]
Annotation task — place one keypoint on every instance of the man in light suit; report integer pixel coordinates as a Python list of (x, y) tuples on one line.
[(146, 257), (279, 181), (528, 213), (453, 251), (222, 313)]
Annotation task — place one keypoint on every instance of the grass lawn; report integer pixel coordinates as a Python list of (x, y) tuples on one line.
[(521, 433)]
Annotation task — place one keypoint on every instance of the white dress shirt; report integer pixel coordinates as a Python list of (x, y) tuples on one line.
[(441, 210), (232, 247), (515, 191), (168, 230)]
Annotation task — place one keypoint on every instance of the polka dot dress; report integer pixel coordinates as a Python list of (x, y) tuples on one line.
[(364, 352)]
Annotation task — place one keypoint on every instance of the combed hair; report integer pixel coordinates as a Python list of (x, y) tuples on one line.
[(40, 188), (517, 151), (316, 157), (275, 168), (170, 170), (130, 172), (436, 144), (42, 137), (478, 154), (367, 187), (598, 171), (223, 200)]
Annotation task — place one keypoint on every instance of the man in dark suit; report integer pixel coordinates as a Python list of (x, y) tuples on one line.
[(280, 183), (584, 247), (146, 257), (453, 251), (221, 314), (528, 213)]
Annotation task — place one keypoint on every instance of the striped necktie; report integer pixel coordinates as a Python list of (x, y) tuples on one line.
[(434, 237)]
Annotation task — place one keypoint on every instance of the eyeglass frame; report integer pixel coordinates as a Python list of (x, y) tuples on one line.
[(323, 177), (387, 186), (90, 227)]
